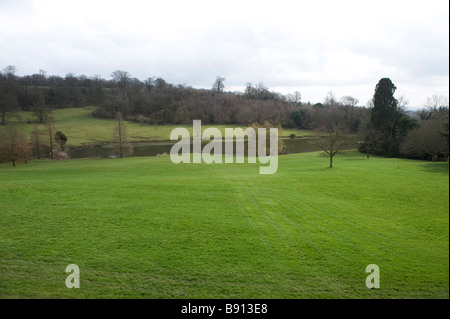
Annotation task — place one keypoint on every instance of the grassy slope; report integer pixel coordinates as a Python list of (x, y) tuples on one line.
[(80, 128), (145, 227)]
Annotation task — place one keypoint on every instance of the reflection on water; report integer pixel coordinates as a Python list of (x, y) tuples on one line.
[(297, 145)]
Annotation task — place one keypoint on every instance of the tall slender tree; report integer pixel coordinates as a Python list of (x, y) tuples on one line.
[(385, 115), (384, 111), (120, 136), (50, 131), (9, 90), (36, 141), (123, 80), (40, 107)]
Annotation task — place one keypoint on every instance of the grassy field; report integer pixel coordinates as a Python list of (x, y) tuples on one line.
[(147, 228), (80, 128)]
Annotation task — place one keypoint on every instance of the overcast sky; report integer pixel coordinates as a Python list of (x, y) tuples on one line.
[(308, 46)]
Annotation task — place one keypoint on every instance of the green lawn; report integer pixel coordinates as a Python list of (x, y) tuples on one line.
[(80, 128), (148, 228)]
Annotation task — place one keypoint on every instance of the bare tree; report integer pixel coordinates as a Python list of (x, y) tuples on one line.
[(50, 131), (218, 85), (372, 140), (123, 79), (120, 136), (10, 72), (13, 145), (428, 139), (249, 90), (295, 98), (261, 89), (402, 103), (335, 139), (333, 142), (330, 99), (36, 141), (43, 73), (160, 83), (41, 110), (349, 104), (437, 101), (149, 83)]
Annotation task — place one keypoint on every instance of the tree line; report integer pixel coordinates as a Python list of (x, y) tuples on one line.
[(157, 102), (384, 125)]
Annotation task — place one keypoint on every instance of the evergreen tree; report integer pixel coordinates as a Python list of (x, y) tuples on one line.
[(385, 115), (384, 111)]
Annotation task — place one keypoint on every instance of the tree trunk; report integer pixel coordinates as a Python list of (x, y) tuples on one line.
[(331, 161), (51, 149), (37, 146)]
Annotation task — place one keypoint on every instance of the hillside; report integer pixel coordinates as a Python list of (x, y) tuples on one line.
[(81, 128)]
